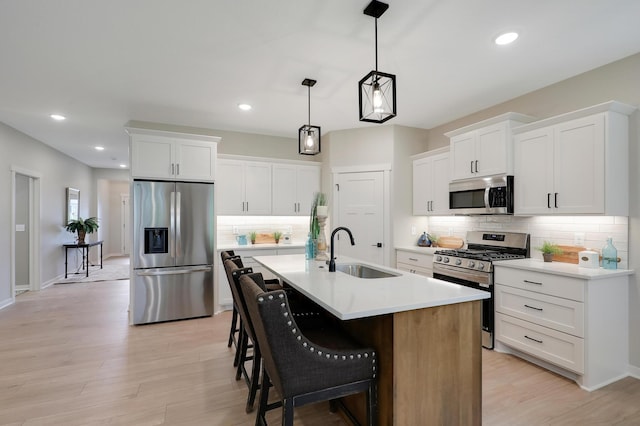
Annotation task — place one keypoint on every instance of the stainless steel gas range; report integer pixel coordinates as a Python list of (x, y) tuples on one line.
[(473, 267)]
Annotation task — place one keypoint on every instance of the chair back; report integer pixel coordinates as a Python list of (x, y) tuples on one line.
[(234, 273)]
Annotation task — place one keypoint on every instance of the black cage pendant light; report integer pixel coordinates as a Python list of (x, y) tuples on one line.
[(308, 135), (377, 90)]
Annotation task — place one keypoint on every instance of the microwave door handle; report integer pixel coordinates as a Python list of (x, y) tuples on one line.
[(487, 204)]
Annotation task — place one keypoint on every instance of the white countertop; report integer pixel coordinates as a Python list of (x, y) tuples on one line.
[(562, 268), (418, 249), (349, 297)]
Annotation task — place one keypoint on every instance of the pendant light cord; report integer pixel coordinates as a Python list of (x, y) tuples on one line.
[(309, 99), (376, 36)]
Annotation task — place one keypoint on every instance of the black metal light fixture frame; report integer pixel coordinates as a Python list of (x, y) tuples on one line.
[(308, 135), (377, 90)]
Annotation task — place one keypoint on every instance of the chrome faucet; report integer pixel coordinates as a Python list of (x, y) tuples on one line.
[(332, 261)]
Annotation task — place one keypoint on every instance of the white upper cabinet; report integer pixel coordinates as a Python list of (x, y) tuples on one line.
[(431, 185), (294, 187), (484, 148), (172, 156), (576, 163), (243, 187)]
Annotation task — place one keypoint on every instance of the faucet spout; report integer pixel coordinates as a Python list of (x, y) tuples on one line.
[(332, 260)]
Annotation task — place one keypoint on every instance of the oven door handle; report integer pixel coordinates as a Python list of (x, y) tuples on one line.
[(482, 279)]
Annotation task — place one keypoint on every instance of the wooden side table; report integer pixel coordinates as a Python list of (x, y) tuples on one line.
[(85, 255)]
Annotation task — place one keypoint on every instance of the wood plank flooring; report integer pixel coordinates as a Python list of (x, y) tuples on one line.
[(68, 357)]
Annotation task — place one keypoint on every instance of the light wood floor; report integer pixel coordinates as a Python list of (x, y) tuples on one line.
[(68, 357)]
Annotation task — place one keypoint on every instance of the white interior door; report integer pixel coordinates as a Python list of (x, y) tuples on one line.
[(360, 197)]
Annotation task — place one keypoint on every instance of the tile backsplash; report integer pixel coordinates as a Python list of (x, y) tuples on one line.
[(562, 230), (230, 226)]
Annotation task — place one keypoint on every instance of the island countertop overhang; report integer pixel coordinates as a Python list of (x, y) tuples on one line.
[(349, 297)]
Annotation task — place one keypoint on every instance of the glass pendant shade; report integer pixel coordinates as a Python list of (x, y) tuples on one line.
[(377, 97), (309, 140)]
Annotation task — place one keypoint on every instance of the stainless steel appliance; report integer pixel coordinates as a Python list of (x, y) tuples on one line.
[(490, 195), (172, 250), (473, 267)]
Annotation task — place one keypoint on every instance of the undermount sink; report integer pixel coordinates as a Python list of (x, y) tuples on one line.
[(363, 271)]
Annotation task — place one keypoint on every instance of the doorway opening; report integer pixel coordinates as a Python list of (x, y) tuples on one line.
[(25, 231)]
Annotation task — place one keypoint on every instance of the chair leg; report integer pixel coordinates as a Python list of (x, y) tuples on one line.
[(234, 326), (241, 334), (287, 412), (372, 404), (244, 343), (261, 418), (255, 378)]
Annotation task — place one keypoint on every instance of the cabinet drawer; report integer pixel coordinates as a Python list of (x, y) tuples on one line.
[(554, 285), (553, 312), (290, 250), (423, 260), (427, 272), (552, 346)]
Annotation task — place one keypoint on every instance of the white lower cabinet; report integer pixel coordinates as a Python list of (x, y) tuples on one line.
[(576, 327), (416, 263)]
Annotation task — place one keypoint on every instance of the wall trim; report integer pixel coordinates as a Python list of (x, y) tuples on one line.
[(362, 168)]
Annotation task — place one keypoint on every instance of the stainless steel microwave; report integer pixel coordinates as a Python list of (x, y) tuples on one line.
[(489, 195)]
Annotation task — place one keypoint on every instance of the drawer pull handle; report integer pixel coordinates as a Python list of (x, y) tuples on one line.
[(533, 307), (412, 259), (531, 338), (532, 282)]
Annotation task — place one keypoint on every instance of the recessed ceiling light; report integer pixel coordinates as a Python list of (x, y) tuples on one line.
[(123, 165), (506, 38), (244, 107), (58, 117), (99, 148)]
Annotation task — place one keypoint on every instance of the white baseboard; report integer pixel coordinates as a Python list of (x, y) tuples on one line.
[(51, 282), (7, 302)]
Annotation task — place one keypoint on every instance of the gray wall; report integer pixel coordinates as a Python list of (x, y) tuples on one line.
[(57, 172), (22, 237)]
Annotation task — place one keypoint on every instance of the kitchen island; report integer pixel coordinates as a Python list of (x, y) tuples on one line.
[(426, 333)]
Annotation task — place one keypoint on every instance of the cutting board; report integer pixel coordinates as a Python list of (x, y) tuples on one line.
[(569, 254), (450, 242), (265, 238)]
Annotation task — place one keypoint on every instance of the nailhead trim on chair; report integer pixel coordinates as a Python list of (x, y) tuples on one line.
[(311, 348)]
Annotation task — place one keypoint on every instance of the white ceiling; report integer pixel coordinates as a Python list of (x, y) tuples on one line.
[(190, 62)]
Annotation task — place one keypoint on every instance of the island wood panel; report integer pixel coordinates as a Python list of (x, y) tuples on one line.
[(429, 365), (376, 332), (438, 365)]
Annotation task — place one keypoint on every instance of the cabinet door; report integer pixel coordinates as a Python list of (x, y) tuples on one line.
[(533, 180), (195, 160), (284, 195), (440, 187), (422, 185), (579, 165), (152, 157), (492, 150), (308, 184), (463, 155), (257, 188), (230, 188)]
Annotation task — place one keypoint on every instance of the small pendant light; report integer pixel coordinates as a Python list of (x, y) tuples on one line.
[(308, 135), (377, 90)]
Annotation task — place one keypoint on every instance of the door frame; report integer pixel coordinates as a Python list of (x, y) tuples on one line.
[(388, 249), (34, 228), (125, 223)]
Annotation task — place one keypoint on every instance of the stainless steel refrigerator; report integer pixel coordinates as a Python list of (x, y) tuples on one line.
[(172, 250)]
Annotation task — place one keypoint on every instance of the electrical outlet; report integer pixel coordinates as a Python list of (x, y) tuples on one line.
[(413, 230), (235, 230), (578, 239)]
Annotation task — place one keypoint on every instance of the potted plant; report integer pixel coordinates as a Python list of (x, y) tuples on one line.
[(548, 249), (434, 239), (82, 227), (276, 236), (252, 236)]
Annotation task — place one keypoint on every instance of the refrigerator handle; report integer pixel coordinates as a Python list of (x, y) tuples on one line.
[(177, 219), (174, 272), (172, 202)]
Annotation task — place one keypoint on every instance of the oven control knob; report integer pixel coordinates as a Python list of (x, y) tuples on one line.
[(472, 264), (438, 258), (480, 265), (446, 260), (458, 262)]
